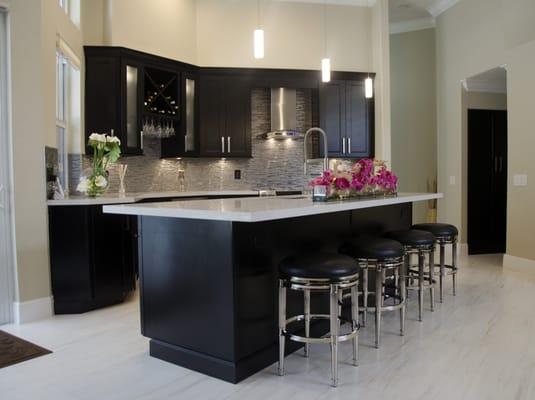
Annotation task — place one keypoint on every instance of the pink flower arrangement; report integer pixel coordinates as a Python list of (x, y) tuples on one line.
[(365, 176)]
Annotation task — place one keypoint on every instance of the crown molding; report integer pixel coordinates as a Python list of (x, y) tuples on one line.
[(355, 3), (484, 86), (440, 6), (412, 25)]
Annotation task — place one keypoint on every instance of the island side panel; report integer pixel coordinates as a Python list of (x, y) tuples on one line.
[(187, 289)]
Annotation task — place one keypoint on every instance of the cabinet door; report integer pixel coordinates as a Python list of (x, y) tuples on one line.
[(237, 118), (102, 105), (332, 114), (132, 84), (190, 114), (357, 126), (212, 122)]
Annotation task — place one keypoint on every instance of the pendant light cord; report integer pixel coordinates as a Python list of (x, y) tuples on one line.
[(258, 13), (325, 28)]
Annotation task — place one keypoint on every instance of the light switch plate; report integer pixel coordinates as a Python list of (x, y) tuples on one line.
[(452, 180), (520, 180)]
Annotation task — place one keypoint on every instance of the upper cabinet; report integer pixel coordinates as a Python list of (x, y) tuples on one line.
[(192, 111), (347, 117), (139, 97), (225, 110)]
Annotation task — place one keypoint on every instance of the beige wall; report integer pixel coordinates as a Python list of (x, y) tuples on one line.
[(470, 41), (294, 35), (413, 105), (34, 26), (163, 27), (475, 101)]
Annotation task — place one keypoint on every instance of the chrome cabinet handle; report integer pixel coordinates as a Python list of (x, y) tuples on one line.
[(228, 144), (349, 145), (140, 139), (495, 164), (344, 145), (501, 164), (222, 144)]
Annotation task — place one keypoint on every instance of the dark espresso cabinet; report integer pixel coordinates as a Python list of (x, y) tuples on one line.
[(225, 110), (136, 96), (347, 118), (93, 257)]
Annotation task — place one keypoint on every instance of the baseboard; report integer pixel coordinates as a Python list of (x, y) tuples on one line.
[(518, 264), (462, 249), (33, 310)]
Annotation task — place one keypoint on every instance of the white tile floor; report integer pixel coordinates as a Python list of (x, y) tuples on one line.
[(478, 345)]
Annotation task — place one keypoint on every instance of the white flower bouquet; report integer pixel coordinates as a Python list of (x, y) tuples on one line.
[(105, 149)]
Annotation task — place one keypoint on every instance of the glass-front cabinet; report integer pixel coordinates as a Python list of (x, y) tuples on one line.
[(142, 98)]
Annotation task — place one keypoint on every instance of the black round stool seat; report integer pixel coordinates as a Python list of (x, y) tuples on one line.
[(318, 266), (412, 237), (438, 229), (375, 248)]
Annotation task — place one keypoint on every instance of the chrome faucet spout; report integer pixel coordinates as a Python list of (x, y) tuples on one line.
[(325, 147)]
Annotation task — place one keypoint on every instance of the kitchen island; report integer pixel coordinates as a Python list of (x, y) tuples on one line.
[(208, 271)]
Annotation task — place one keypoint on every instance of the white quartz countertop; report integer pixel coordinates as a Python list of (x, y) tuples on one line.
[(128, 198), (256, 209)]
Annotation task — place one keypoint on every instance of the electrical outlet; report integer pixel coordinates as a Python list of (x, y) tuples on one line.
[(237, 174), (520, 180)]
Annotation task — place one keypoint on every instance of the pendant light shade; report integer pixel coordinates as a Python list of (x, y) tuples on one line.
[(258, 36), (259, 43), (326, 70), (368, 87)]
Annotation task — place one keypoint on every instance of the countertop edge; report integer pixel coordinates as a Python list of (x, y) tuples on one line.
[(268, 215)]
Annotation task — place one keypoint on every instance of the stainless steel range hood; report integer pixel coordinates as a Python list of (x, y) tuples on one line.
[(283, 115)]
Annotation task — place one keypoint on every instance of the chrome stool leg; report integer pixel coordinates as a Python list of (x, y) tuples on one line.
[(306, 294), (454, 265), (402, 297), (355, 322), (421, 263), (365, 295), (432, 278), (378, 304), (282, 324), (334, 319), (442, 269)]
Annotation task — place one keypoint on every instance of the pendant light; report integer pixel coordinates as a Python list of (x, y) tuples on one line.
[(258, 35), (368, 82), (368, 87), (325, 62)]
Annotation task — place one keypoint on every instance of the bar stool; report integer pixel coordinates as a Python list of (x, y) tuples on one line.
[(319, 273), (444, 234), (381, 256), (420, 243)]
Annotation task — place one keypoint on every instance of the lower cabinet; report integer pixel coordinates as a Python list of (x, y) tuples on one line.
[(93, 257)]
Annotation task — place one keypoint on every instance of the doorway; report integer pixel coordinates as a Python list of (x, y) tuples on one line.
[(6, 238), (487, 181)]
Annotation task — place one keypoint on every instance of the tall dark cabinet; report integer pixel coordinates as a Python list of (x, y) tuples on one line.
[(347, 118), (487, 181), (225, 107)]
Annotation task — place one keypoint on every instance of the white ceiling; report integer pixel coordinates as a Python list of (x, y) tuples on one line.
[(492, 81)]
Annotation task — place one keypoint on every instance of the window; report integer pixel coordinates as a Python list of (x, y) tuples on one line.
[(68, 130), (72, 9)]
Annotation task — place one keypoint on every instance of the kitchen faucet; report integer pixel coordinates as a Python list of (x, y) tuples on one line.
[(325, 151)]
